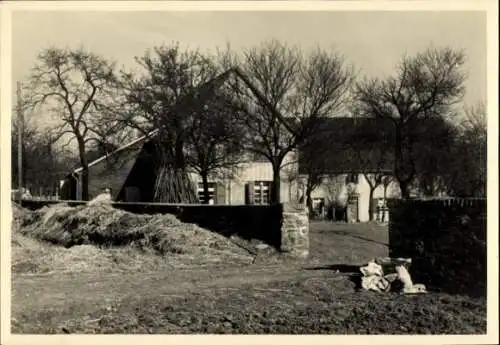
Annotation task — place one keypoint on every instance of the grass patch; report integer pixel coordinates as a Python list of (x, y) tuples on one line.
[(344, 243)]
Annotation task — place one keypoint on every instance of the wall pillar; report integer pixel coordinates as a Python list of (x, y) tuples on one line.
[(295, 230)]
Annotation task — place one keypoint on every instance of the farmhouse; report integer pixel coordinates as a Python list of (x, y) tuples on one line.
[(129, 171)]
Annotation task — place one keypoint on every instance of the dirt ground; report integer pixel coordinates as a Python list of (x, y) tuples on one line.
[(299, 297)]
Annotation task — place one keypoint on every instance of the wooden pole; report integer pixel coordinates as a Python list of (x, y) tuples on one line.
[(20, 129)]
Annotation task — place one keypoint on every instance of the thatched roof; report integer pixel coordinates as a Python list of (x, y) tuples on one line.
[(348, 144)]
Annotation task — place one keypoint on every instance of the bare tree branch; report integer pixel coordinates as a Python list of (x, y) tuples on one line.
[(425, 86), (73, 84), (283, 94)]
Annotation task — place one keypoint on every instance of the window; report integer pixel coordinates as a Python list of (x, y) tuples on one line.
[(351, 178), (261, 192), (211, 192)]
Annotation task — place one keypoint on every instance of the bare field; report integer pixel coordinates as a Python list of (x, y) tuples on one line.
[(274, 295)]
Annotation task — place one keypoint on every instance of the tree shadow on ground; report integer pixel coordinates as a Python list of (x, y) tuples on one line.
[(354, 274), (341, 268), (347, 233)]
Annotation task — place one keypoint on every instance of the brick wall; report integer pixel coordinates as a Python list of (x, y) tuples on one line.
[(446, 240)]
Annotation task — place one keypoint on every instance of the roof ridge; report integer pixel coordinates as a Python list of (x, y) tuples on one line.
[(133, 142)]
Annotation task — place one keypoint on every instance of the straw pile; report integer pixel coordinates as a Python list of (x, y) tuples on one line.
[(102, 237)]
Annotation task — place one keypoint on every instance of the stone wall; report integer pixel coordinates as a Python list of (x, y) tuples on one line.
[(295, 230), (446, 240)]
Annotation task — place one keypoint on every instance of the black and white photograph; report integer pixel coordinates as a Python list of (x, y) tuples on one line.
[(228, 170)]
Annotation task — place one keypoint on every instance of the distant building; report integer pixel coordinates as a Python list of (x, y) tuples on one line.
[(348, 151)]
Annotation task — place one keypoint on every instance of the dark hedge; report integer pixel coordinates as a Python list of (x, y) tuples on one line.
[(446, 240)]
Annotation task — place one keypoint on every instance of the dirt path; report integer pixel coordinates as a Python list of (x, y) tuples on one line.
[(330, 244), (92, 289)]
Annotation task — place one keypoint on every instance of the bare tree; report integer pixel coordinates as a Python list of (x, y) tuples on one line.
[(295, 91), (44, 164), (425, 85), (434, 156), (167, 98), (77, 86), (386, 182), (212, 143), (29, 135), (475, 136), (313, 160), (476, 121)]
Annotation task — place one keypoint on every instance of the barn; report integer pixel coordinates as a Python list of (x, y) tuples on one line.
[(129, 170)]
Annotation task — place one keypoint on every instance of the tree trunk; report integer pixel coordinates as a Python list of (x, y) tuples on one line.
[(206, 193), (370, 206), (403, 173), (404, 185), (386, 185), (398, 163), (275, 185), (85, 169), (308, 198), (372, 185)]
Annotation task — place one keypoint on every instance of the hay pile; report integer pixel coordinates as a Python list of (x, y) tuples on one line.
[(101, 237), (30, 256), (18, 215)]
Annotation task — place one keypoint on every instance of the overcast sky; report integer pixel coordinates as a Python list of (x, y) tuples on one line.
[(372, 41)]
